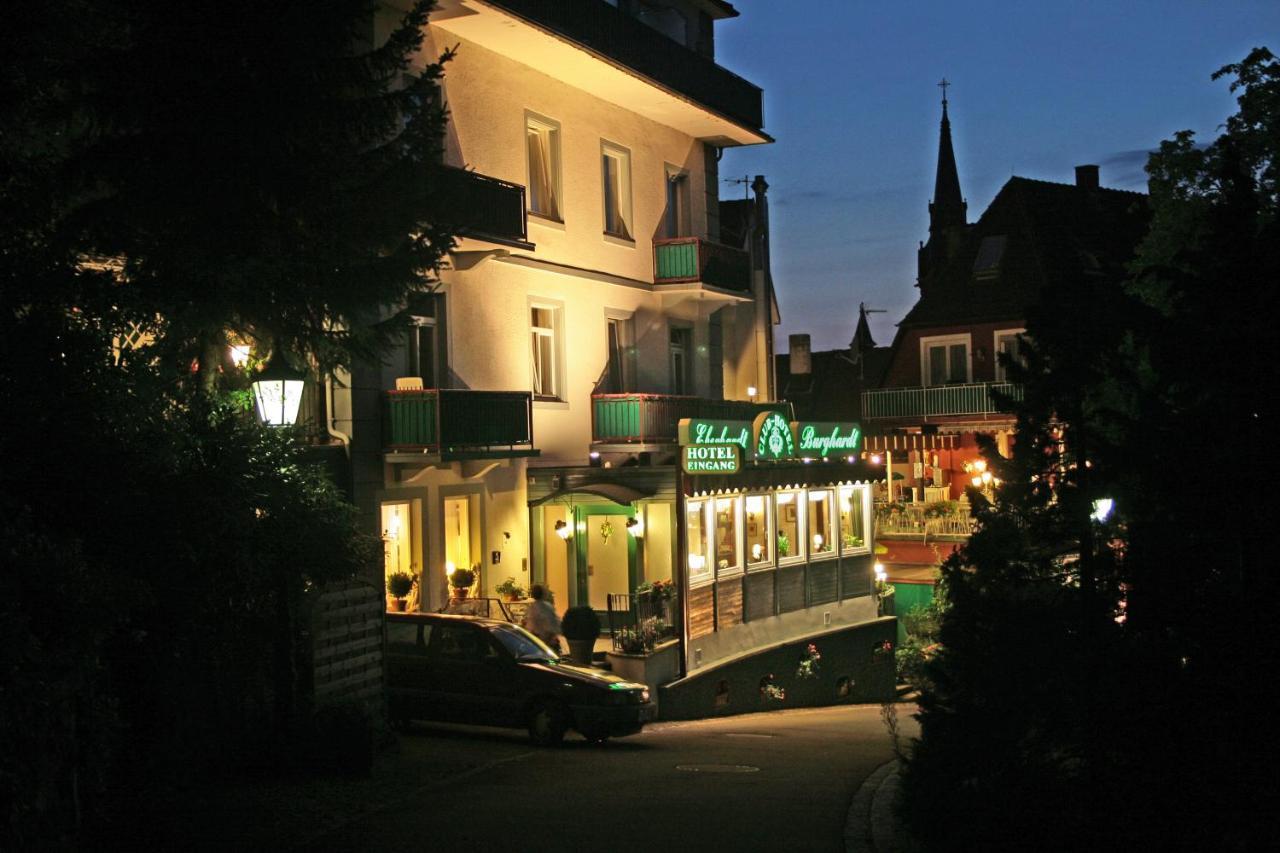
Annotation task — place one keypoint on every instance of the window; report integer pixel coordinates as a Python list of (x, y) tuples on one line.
[(681, 344), (696, 539), (426, 340), (727, 553), (676, 221), (1009, 344), (616, 177), (544, 328), (820, 525), (759, 531), (542, 139), (397, 539), (853, 503), (790, 528), (945, 361), (461, 533), (618, 349), (986, 264)]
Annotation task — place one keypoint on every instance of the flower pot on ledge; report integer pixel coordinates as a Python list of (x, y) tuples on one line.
[(460, 593)]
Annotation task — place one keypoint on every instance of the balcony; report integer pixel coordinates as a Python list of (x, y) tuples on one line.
[(689, 259), (456, 424), (477, 205), (636, 420), (939, 401), (593, 46)]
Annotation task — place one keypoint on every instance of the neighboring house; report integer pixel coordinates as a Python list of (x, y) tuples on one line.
[(599, 293), (828, 385), (977, 283)]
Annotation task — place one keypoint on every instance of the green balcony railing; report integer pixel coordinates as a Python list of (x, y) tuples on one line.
[(460, 422), (477, 205), (939, 400), (684, 259), (655, 418)]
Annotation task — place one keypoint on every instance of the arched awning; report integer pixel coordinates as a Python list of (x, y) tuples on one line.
[(614, 492)]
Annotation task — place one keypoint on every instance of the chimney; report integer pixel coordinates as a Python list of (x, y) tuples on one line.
[(800, 362), (1087, 177)]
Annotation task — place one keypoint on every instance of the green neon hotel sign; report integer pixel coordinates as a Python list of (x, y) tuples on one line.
[(696, 431), (773, 438), (711, 459), (824, 439)]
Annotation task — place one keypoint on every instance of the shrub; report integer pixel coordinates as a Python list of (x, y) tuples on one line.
[(580, 623), (400, 584), (462, 578)]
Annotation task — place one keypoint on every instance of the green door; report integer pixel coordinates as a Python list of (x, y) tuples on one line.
[(606, 555)]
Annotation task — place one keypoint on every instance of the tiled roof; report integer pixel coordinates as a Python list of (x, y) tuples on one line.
[(1053, 234), (832, 391)]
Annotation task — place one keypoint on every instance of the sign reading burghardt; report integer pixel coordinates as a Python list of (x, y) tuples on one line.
[(711, 459), (824, 439), (773, 438), (698, 431)]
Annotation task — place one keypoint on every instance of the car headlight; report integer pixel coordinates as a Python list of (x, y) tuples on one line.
[(644, 695)]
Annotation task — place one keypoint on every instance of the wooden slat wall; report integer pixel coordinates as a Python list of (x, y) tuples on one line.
[(855, 579), (728, 603), (822, 582), (702, 616), (790, 588), (759, 592), (346, 643)]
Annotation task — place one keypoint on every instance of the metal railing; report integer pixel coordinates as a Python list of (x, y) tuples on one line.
[(927, 520), (480, 206), (628, 611), (655, 418), (450, 421), (604, 29), (971, 399), (681, 259)]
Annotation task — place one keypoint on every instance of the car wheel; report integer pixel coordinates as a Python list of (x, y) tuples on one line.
[(548, 721)]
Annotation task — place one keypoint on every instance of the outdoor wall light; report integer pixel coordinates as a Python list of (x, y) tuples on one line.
[(751, 392), (635, 526), (1102, 509), (880, 572), (277, 392), (564, 531), (875, 458)]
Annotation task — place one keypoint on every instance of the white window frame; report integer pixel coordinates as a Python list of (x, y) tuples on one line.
[(626, 343), (684, 215), (862, 493), (799, 544), (733, 569), (623, 156), (707, 574), (833, 526), (771, 533), (551, 129), (946, 341), (995, 349), (556, 333)]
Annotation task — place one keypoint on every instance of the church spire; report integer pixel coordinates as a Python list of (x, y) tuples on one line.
[(862, 340), (947, 209)]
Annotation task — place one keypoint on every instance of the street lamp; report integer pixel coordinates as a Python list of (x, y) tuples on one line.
[(277, 392)]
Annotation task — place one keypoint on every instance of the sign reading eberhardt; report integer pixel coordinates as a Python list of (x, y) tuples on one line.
[(773, 439), (698, 431), (711, 458), (824, 439)]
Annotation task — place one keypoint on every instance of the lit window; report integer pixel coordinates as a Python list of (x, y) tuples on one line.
[(616, 178), (696, 539), (759, 531), (790, 543), (542, 138), (853, 535), (727, 554), (820, 525)]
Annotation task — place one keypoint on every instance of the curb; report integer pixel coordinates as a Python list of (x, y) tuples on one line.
[(858, 837)]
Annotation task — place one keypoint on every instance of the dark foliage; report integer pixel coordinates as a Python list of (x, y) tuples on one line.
[(1101, 684)]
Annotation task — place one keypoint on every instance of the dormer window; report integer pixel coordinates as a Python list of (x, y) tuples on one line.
[(990, 252)]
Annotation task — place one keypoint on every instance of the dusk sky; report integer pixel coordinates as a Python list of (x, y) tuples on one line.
[(851, 96)]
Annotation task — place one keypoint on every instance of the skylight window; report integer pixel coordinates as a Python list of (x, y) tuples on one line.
[(990, 252)]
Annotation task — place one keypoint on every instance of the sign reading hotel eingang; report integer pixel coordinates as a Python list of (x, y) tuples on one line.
[(769, 438), (711, 459)]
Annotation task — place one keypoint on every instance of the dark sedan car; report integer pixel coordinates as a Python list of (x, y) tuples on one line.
[(461, 669)]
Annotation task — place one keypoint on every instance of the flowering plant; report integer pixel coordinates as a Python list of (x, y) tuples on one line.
[(882, 650), (770, 690), (808, 667), (641, 639), (656, 590)]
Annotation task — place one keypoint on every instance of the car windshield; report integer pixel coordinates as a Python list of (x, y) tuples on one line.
[(522, 644)]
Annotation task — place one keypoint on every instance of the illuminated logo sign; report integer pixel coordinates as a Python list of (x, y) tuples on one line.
[(697, 431), (711, 459), (824, 439), (773, 439)]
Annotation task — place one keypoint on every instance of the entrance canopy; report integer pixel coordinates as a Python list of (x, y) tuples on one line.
[(618, 493)]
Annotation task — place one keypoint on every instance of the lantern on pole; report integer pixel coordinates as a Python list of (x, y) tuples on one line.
[(277, 392)]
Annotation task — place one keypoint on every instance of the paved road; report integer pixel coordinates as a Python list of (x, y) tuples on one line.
[(777, 781)]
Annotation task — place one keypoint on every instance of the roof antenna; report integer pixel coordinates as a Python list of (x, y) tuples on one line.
[(745, 180)]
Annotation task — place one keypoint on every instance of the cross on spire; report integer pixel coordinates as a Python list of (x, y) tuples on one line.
[(943, 85)]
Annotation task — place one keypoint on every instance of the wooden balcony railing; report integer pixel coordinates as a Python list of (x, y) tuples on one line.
[(460, 422), (681, 259), (973, 399), (655, 418), (604, 29), (477, 205)]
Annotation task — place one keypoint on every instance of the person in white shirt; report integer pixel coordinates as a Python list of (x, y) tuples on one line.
[(541, 619)]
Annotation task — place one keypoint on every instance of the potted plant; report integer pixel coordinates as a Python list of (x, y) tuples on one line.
[(399, 585), (510, 590), (461, 580), (581, 627), (784, 545)]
